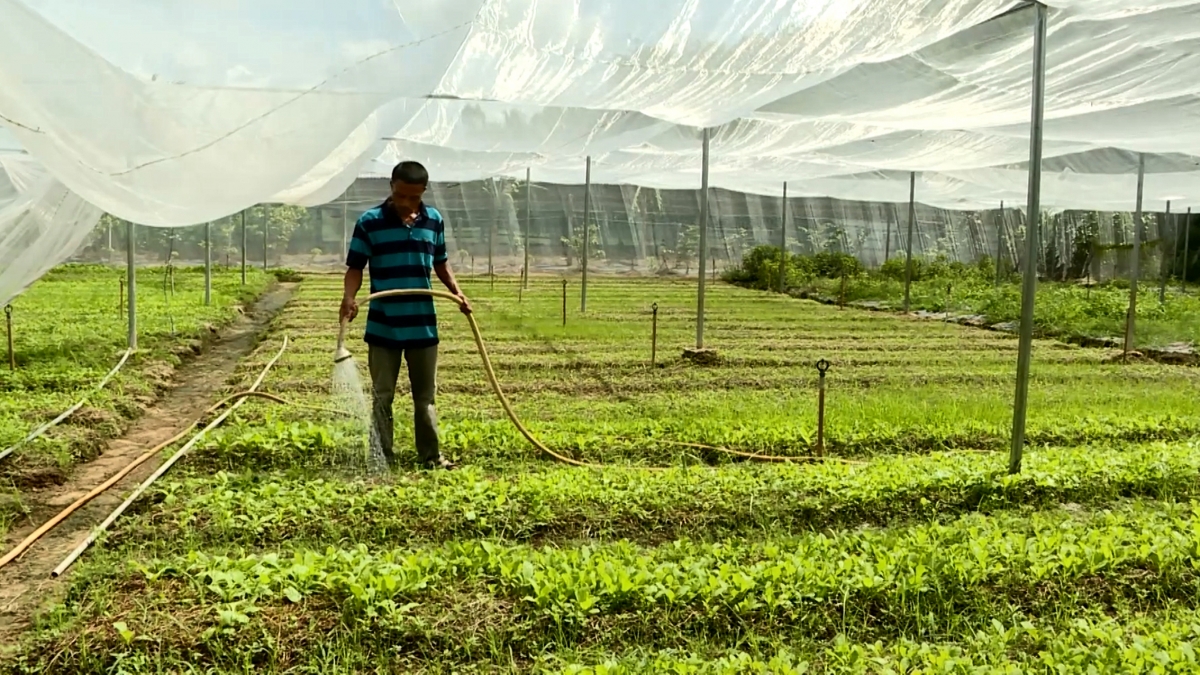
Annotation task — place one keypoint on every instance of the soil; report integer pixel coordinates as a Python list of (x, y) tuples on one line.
[(25, 584)]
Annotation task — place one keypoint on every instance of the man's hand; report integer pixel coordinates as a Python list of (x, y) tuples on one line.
[(349, 309), (465, 305)]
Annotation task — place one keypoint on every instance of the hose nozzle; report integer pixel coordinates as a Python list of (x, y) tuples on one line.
[(341, 353)]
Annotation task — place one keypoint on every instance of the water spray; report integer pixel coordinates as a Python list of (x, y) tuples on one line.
[(341, 355)]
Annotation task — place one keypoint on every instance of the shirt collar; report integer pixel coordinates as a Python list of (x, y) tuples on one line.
[(392, 217)]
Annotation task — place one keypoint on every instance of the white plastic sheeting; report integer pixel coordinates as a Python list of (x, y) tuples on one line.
[(171, 113), (41, 221)]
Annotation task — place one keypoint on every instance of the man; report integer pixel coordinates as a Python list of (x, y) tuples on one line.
[(402, 241)]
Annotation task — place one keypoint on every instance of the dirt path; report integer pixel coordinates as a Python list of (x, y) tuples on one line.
[(25, 584)]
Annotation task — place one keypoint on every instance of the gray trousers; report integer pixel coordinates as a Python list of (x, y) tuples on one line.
[(384, 365)]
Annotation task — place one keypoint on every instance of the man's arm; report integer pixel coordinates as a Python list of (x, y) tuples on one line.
[(441, 265), (350, 286), (357, 258), (446, 276)]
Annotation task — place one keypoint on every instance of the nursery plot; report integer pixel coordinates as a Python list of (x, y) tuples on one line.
[(1166, 317), (896, 385), (69, 330), (909, 548)]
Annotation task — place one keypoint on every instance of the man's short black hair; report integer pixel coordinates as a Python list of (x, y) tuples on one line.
[(411, 173)]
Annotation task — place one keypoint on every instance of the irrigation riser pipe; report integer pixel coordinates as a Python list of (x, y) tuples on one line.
[(822, 368)]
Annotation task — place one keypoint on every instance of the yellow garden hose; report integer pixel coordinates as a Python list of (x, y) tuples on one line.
[(341, 354)]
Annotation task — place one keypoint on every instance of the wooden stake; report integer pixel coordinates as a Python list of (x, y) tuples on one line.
[(564, 309)]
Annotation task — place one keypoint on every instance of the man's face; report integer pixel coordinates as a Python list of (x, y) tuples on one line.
[(406, 199)]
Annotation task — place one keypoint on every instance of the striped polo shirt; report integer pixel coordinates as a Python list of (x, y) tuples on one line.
[(399, 256)]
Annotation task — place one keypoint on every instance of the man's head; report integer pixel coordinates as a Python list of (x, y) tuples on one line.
[(409, 180)]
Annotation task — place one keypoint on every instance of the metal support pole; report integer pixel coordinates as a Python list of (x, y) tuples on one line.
[(783, 253), (564, 302), (653, 334), (587, 216), (703, 240), (266, 229), (1131, 314), (131, 283), (1178, 244), (12, 354), (1065, 257), (1034, 209), (492, 234), (243, 247), (1162, 283), (999, 243), (345, 233), (912, 220), (887, 240), (1187, 235), (207, 264), (528, 219)]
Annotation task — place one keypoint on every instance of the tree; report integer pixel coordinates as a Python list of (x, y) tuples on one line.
[(687, 246), (575, 242)]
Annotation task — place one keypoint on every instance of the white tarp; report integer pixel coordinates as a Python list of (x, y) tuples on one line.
[(41, 221), (171, 113)]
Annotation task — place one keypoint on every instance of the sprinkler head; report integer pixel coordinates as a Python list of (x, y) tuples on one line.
[(341, 354)]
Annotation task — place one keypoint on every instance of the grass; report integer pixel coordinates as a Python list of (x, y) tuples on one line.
[(1060, 309), (1063, 309), (907, 549), (68, 332)]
